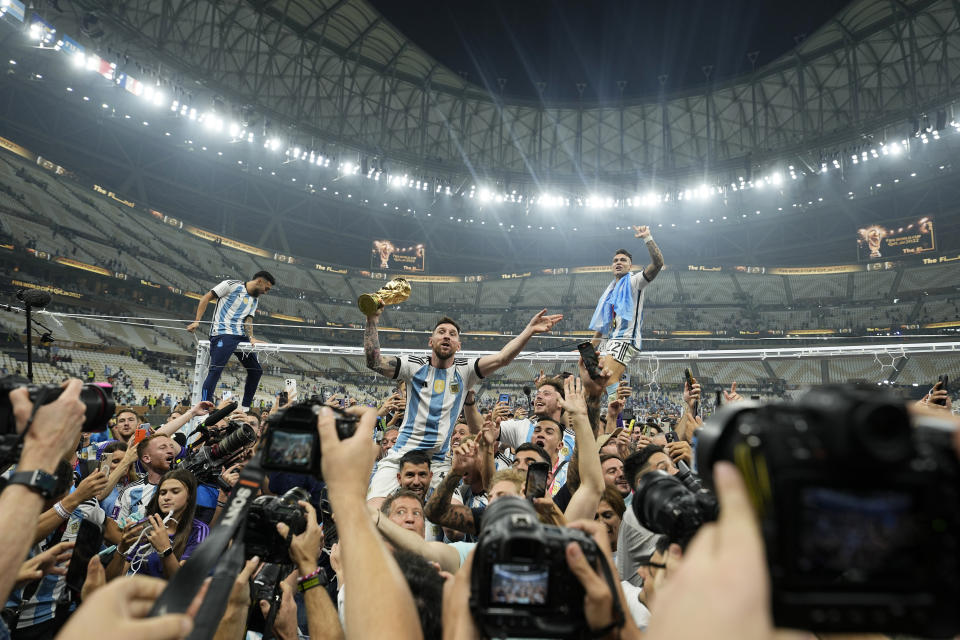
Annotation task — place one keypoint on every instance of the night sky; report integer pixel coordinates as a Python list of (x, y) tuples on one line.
[(565, 42)]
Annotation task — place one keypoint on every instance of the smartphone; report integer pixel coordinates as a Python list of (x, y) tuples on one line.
[(689, 381), (590, 359), (227, 395), (536, 486), (141, 433), (282, 398), (504, 397), (616, 432), (290, 386), (943, 382), (89, 539), (671, 436)]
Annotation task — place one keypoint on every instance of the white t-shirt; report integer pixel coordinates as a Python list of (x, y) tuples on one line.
[(513, 433), (434, 401)]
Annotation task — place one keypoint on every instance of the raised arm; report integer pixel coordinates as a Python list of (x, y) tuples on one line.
[(656, 258), (583, 504), (171, 427), (368, 566), (201, 309), (443, 554), (540, 323), (440, 511), (371, 348)]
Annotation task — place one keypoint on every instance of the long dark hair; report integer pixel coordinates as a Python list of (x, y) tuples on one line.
[(185, 522)]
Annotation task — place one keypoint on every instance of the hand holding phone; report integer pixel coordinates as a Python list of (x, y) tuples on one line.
[(943, 382), (536, 486), (591, 361), (504, 397)]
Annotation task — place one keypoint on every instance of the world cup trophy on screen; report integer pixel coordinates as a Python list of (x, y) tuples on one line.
[(394, 292)]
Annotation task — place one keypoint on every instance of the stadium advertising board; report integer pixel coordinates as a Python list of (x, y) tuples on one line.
[(392, 256), (895, 239)]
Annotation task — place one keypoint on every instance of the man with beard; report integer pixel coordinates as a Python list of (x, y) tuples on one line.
[(554, 438), (618, 318), (156, 454), (233, 324), (436, 389)]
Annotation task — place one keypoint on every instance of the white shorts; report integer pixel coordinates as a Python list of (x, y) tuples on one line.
[(384, 481), (620, 350)]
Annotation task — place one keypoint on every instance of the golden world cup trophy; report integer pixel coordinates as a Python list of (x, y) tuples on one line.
[(394, 292)]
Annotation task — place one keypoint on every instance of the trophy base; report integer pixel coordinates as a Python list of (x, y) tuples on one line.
[(369, 304)]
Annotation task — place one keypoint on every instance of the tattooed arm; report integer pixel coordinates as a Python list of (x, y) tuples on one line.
[(656, 257), (440, 511), (371, 348)]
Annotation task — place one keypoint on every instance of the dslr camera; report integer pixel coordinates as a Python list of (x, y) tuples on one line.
[(521, 585), (221, 446), (859, 507), (261, 538), (292, 443), (96, 398), (673, 505)]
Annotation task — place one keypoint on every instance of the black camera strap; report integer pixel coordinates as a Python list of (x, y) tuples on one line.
[(181, 589), (218, 593)]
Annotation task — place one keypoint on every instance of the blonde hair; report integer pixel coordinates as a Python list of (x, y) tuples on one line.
[(518, 478)]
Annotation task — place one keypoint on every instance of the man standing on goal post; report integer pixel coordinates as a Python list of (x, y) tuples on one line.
[(437, 386), (618, 317), (233, 324)]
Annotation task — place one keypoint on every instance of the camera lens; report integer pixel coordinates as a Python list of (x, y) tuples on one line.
[(663, 505), (100, 406), (238, 439)]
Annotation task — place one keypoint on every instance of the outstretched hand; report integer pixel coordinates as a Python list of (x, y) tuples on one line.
[(541, 323), (642, 231)]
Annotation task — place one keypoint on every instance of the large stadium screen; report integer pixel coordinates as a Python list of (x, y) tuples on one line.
[(896, 239), (393, 256)]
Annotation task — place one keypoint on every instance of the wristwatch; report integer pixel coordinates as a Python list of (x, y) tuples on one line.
[(38, 481), (166, 552)]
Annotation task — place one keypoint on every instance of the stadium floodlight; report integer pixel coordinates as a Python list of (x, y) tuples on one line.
[(193, 114), (234, 130), (274, 144), (777, 179), (485, 195), (78, 60)]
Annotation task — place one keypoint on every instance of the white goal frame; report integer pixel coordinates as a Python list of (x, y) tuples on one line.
[(772, 353)]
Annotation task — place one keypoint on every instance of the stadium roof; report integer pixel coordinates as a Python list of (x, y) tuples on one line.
[(341, 73)]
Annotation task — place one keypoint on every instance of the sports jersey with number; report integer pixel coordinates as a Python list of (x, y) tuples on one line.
[(234, 304), (513, 433), (434, 400), (630, 331)]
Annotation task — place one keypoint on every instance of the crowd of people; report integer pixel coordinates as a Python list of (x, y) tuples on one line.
[(385, 541)]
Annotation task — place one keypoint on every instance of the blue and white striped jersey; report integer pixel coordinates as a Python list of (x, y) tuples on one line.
[(234, 304), (630, 331), (434, 400), (42, 603), (513, 433), (131, 504)]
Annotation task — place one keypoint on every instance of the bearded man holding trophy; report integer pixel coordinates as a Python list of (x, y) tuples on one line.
[(437, 384)]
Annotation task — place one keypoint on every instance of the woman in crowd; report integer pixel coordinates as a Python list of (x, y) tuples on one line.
[(172, 531)]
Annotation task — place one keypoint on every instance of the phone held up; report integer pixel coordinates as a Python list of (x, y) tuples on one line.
[(537, 474)]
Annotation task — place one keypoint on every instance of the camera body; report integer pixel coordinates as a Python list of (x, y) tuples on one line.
[(260, 538), (292, 443), (521, 585), (206, 462), (859, 507), (96, 398)]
